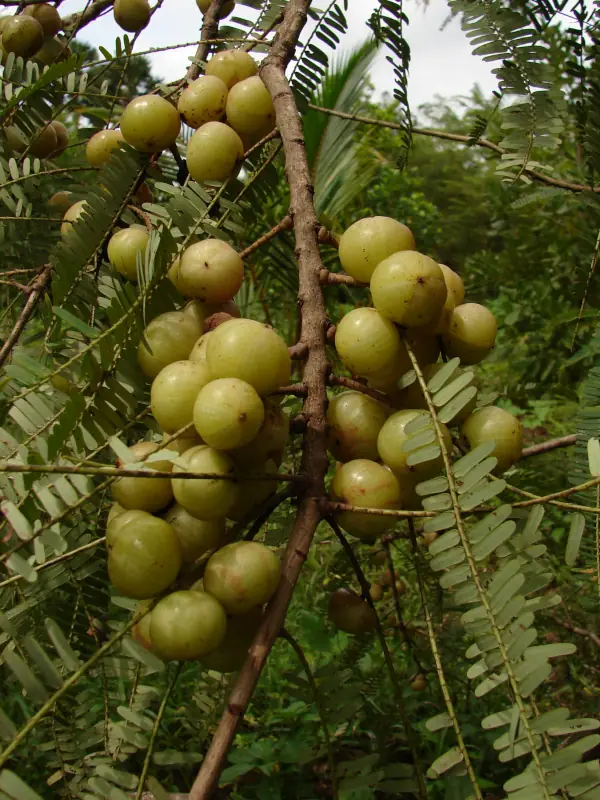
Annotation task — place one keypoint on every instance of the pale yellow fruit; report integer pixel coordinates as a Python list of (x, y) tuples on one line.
[(150, 123), (472, 333), (365, 484), (170, 337), (187, 625), (132, 15), (205, 498), (70, 218), (198, 354), (210, 271), (47, 16), (369, 242), (250, 110), (22, 35), (232, 66), (145, 494), (353, 424), (213, 152), (495, 424), (125, 246), (203, 101), (196, 536), (174, 392), (455, 284), (269, 443), (409, 288), (228, 413), (369, 345), (101, 145), (242, 575)]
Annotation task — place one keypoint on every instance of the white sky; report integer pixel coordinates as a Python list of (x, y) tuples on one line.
[(441, 64)]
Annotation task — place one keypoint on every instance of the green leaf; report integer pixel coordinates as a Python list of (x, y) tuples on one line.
[(439, 722), (593, 450), (574, 541), (14, 787), (448, 761), (62, 646), (74, 323)]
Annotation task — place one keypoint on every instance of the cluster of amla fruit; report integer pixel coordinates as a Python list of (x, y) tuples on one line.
[(134, 15), (163, 530), (420, 303)]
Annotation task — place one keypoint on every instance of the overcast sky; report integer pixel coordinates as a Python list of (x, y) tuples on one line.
[(441, 64)]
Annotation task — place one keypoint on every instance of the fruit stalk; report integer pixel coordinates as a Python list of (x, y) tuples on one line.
[(313, 333)]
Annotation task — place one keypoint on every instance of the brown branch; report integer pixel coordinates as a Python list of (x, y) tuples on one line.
[(551, 444), (456, 137), (38, 288), (210, 29), (348, 383), (286, 224), (593, 637), (338, 279), (313, 330), (330, 506), (298, 351), (82, 18), (327, 237), (296, 389)]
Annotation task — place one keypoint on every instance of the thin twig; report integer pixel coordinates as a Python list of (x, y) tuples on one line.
[(37, 289), (593, 637), (551, 444), (286, 224), (210, 29)]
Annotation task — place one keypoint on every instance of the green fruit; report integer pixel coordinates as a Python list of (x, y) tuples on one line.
[(454, 284), (369, 242), (250, 351), (170, 337), (22, 35), (351, 613), (365, 484), (253, 493), (197, 310), (250, 110), (418, 683), (62, 138), (226, 9), (44, 142), (186, 625), (205, 498), (145, 558), (119, 518), (150, 123), (114, 511), (203, 101), (60, 201), (409, 288), (228, 413), (70, 218), (370, 345), (198, 354), (210, 271), (242, 575), (472, 333), (196, 536), (232, 66), (174, 392), (132, 15), (47, 16), (146, 494), (393, 437), (15, 138), (269, 443), (230, 655), (101, 145), (141, 630), (353, 424), (54, 49), (495, 424), (213, 152), (124, 247)]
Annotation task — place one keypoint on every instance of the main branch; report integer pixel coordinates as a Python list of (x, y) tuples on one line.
[(313, 333)]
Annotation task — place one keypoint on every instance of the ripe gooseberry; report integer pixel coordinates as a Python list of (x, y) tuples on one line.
[(198, 354), (454, 284), (170, 337), (101, 145), (145, 557), (205, 498), (242, 575), (210, 270), (495, 424), (203, 101), (147, 494), (251, 351), (365, 484), (228, 413), (392, 438), (250, 110), (174, 392), (213, 152), (369, 241), (22, 35), (124, 246), (409, 288), (472, 333), (351, 613), (269, 443), (47, 16), (131, 15), (232, 66), (186, 625), (71, 216), (353, 424), (370, 345), (230, 655), (150, 123), (196, 536), (116, 521)]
